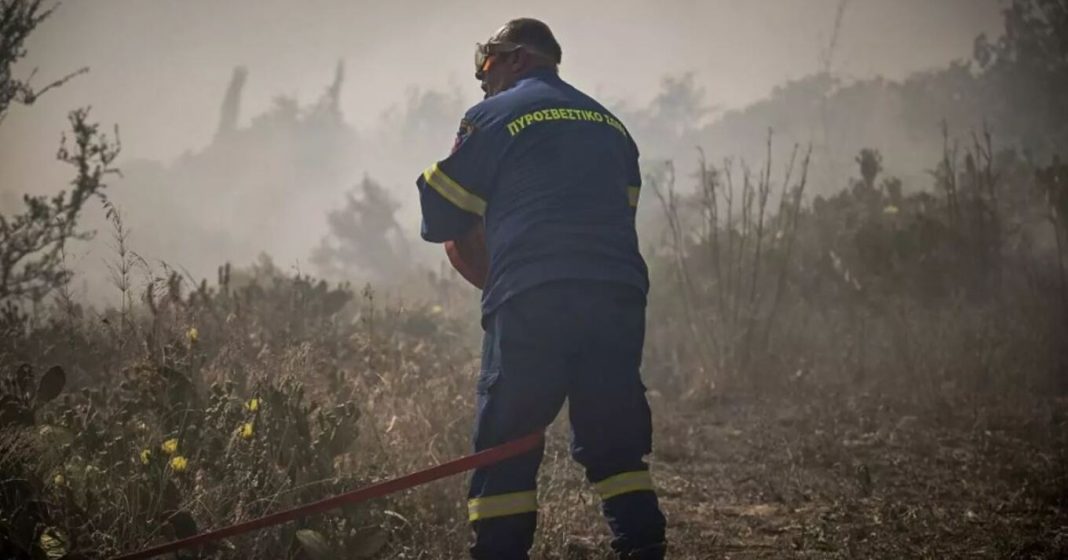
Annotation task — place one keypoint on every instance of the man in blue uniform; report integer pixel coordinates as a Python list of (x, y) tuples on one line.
[(544, 181)]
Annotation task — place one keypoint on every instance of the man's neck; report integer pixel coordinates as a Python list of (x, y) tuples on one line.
[(541, 71)]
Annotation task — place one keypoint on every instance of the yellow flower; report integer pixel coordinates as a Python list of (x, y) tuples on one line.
[(58, 480), (253, 404), (246, 430), (436, 310), (891, 209), (146, 456), (179, 463), (192, 334), (170, 446)]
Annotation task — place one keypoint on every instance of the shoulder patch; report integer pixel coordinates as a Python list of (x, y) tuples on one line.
[(467, 128)]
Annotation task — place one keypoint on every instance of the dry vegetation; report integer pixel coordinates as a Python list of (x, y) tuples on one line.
[(850, 407), (878, 373)]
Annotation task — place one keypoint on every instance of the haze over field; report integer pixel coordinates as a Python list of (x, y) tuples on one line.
[(160, 70)]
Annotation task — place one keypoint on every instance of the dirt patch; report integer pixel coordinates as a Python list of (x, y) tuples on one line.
[(835, 477)]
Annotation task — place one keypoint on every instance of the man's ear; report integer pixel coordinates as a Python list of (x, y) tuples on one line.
[(520, 61)]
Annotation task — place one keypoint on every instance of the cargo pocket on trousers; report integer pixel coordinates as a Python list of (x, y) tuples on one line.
[(484, 424), (486, 381)]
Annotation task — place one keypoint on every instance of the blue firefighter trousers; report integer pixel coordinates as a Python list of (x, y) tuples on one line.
[(581, 341)]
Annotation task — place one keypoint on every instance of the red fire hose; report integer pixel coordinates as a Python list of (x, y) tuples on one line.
[(456, 466)]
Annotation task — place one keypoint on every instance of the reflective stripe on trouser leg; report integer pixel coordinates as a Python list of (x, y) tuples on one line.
[(633, 513), (487, 507), (633, 481)]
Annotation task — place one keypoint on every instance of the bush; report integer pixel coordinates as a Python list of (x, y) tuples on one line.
[(216, 406), (949, 286)]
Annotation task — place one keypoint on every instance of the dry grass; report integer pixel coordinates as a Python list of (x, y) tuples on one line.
[(829, 381)]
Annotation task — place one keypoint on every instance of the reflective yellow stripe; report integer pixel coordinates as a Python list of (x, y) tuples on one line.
[(453, 192), (633, 481), (501, 505), (632, 195)]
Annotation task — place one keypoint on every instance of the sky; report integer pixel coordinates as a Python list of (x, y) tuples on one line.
[(158, 68)]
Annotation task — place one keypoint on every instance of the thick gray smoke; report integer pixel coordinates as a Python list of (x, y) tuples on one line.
[(244, 135)]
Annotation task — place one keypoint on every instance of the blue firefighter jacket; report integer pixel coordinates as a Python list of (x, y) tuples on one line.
[(555, 178)]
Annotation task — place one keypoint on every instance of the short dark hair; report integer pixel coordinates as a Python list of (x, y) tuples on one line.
[(532, 33)]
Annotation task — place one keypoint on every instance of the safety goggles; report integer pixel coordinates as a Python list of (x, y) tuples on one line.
[(484, 52)]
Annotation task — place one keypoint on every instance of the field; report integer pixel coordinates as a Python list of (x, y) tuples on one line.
[(865, 477), (805, 467), (873, 374)]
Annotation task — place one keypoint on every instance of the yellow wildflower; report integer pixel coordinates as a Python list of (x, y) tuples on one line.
[(891, 209), (179, 463), (58, 480), (246, 430), (193, 335), (436, 310), (253, 404), (170, 446), (146, 456)]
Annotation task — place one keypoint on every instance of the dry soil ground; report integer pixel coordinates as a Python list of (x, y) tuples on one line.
[(825, 476)]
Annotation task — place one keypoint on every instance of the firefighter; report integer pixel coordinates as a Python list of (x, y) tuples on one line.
[(536, 206)]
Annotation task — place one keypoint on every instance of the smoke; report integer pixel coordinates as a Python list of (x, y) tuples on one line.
[(243, 136)]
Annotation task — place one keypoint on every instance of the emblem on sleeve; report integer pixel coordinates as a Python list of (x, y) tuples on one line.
[(465, 131)]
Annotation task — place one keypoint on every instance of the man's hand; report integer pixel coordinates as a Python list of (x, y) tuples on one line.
[(469, 257)]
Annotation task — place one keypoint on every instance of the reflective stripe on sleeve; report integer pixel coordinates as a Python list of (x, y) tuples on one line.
[(453, 192), (501, 505), (632, 195), (623, 483)]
